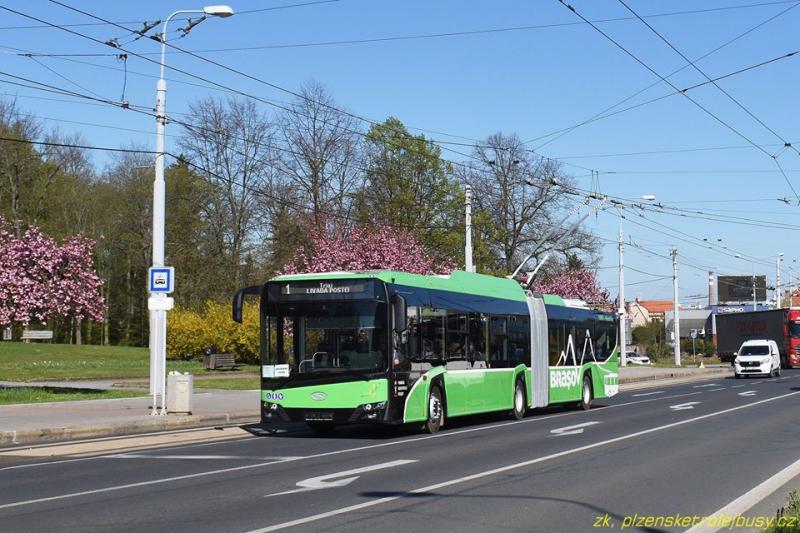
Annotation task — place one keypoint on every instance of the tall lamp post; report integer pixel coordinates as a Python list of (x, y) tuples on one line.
[(161, 279), (622, 312)]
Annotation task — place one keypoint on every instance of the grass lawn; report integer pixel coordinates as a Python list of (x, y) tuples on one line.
[(21, 361), (11, 395), (244, 383)]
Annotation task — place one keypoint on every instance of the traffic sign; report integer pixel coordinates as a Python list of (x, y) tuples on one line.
[(693, 334), (162, 280)]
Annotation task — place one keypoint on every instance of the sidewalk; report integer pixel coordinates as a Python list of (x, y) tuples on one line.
[(60, 421)]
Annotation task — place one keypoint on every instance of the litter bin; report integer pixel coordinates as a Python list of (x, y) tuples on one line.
[(179, 392)]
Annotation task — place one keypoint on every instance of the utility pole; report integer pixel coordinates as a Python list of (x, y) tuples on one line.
[(468, 266), (676, 327), (623, 344), (778, 280)]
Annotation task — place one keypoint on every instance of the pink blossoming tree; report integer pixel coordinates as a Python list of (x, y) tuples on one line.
[(42, 279), (362, 248), (574, 283)]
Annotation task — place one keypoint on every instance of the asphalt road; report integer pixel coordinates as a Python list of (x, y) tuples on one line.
[(675, 450)]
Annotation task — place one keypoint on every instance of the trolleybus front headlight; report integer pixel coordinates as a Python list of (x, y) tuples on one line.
[(371, 411)]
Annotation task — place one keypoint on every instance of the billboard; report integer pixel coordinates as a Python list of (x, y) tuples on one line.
[(740, 288)]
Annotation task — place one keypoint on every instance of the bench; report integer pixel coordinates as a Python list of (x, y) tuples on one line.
[(37, 335), (214, 361)]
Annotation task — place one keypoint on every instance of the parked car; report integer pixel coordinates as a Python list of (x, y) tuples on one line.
[(757, 357), (637, 358)]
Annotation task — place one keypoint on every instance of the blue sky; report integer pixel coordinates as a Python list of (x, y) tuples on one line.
[(527, 81)]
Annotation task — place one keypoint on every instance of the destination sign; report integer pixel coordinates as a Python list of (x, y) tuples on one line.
[(323, 287)]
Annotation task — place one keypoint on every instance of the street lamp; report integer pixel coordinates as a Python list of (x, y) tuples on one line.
[(622, 312), (159, 303)]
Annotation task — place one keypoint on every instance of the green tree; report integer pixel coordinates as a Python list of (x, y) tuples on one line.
[(409, 187), (124, 202), (652, 339)]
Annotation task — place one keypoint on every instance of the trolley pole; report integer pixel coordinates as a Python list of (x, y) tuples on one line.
[(676, 327), (468, 266)]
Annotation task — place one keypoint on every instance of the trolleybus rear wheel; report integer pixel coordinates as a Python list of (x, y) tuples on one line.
[(435, 410), (518, 412)]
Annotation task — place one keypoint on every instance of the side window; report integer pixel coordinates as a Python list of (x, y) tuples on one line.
[(431, 332), (519, 339), (498, 342), (554, 341), (411, 349), (476, 345), (456, 336), (602, 340), (573, 353), (584, 341)]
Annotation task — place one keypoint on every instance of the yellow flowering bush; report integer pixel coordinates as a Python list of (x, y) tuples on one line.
[(190, 332)]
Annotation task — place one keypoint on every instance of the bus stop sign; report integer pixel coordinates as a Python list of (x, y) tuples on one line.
[(162, 280)]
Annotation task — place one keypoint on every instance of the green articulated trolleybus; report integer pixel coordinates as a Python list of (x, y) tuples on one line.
[(397, 348)]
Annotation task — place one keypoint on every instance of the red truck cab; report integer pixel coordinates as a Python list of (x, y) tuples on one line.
[(793, 337)]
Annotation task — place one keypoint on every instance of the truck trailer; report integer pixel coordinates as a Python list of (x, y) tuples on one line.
[(779, 325)]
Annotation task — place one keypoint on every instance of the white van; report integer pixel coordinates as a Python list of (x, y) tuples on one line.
[(757, 357)]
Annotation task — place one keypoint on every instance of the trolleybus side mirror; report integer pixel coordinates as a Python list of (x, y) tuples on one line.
[(238, 300), (399, 312)]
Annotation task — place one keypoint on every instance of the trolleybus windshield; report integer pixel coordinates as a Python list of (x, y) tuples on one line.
[(332, 337)]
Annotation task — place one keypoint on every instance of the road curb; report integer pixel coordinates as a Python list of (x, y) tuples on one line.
[(91, 431), (678, 374)]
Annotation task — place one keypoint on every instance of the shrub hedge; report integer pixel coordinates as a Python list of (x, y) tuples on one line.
[(190, 332)]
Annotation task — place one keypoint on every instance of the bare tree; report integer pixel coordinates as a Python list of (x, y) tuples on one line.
[(64, 201), (20, 164), (232, 142), (516, 205), (320, 151)]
